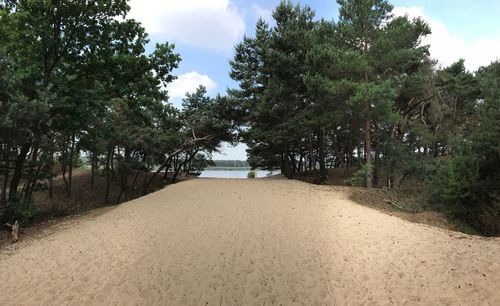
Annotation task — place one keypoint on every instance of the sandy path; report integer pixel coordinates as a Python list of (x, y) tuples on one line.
[(250, 242)]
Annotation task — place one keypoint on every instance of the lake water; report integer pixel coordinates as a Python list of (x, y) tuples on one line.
[(232, 173)]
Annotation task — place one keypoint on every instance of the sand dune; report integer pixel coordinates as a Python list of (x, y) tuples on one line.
[(249, 242)]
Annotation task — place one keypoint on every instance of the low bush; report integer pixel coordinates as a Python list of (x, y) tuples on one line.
[(22, 210), (359, 177)]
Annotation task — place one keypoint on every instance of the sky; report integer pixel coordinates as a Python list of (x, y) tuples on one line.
[(206, 31)]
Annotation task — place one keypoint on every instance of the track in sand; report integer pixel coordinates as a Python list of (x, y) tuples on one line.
[(249, 242)]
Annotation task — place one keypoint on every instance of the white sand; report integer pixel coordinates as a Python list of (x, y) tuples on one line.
[(249, 242)]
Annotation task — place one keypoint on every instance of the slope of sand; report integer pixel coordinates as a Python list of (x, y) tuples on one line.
[(249, 242)]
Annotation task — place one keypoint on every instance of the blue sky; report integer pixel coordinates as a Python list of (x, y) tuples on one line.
[(205, 32)]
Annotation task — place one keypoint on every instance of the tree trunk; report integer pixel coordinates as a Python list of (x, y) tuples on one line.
[(64, 164), (71, 162), (286, 166), (177, 168), (350, 157), (311, 150), (93, 163), (18, 171), (376, 173), (321, 149), (301, 159), (144, 183), (32, 175), (34, 181), (188, 160), (186, 145), (368, 153), (358, 140), (51, 171), (167, 168), (293, 163), (168, 161), (108, 175), (165, 175), (119, 196), (15, 232), (389, 175), (338, 155), (129, 195), (3, 199)]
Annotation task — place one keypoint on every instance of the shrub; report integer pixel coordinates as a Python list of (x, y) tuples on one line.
[(22, 210), (359, 177), (465, 186), (251, 174)]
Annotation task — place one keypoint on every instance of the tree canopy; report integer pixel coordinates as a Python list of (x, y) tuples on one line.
[(75, 82), (363, 91)]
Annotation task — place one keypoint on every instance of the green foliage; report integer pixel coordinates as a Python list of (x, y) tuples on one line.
[(359, 177), (364, 91), (450, 186), (75, 80), (467, 183), (305, 85), (200, 163), (406, 164), (251, 174), (21, 210), (461, 188)]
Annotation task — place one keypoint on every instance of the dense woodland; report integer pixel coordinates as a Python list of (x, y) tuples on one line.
[(77, 86), (363, 91), (76, 83)]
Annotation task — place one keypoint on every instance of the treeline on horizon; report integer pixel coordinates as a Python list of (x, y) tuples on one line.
[(363, 91), (226, 163), (77, 86)]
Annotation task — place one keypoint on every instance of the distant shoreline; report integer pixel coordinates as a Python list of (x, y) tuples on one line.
[(229, 169)]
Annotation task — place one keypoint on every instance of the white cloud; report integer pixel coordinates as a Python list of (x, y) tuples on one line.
[(189, 82), (447, 47), (265, 14), (211, 24)]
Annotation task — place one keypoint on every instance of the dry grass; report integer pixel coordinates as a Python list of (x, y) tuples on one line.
[(405, 202)]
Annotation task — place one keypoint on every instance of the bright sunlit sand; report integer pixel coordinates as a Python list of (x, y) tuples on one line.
[(249, 242)]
